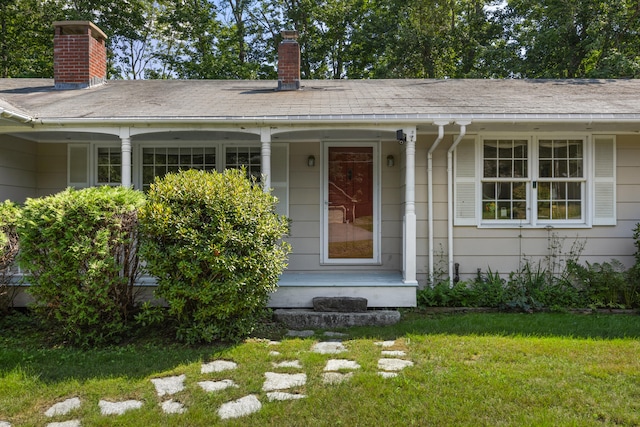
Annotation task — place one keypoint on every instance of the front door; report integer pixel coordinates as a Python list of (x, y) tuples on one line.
[(350, 216)]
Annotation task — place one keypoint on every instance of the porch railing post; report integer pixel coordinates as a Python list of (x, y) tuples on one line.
[(265, 161), (125, 144), (409, 229)]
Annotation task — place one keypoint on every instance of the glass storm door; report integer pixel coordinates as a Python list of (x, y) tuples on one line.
[(350, 205)]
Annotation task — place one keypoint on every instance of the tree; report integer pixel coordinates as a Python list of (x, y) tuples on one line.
[(26, 37), (573, 38)]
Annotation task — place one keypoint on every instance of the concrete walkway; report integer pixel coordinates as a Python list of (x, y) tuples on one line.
[(277, 386)]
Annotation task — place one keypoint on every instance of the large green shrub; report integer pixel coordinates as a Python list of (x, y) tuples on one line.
[(214, 244), (79, 253), (9, 247)]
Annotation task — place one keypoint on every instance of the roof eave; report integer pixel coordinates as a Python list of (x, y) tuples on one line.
[(349, 119)]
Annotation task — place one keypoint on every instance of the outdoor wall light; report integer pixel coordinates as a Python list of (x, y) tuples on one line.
[(390, 161), (311, 161)]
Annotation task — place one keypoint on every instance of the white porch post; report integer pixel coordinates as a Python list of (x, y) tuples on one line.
[(125, 147), (409, 226), (265, 140)]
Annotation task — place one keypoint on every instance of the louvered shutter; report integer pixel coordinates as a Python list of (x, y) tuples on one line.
[(604, 180), (465, 183)]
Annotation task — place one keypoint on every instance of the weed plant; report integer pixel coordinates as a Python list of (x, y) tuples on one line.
[(556, 282)]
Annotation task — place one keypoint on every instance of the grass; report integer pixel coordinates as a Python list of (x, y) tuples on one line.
[(469, 369)]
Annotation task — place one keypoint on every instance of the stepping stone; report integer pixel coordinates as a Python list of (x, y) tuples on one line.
[(335, 377), (385, 344), (218, 366), (211, 386), (398, 353), (273, 343), (64, 407), (276, 381), (274, 353), (169, 385), (239, 408), (328, 347), (393, 364), (279, 395), (288, 364), (70, 423), (338, 364), (335, 334), (172, 407), (118, 408), (388, 374), (301, 334), (5, 424)]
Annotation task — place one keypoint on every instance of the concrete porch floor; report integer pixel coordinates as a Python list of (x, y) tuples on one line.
[(384, 289)]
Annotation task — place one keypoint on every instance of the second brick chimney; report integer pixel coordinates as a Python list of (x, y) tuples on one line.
[(79, 55), (289, 61)]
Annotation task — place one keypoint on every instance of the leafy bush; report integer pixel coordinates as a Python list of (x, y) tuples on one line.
[(605, 285), (555, 282), (79, 252), (9, 247), (214, 244), (632, 291)]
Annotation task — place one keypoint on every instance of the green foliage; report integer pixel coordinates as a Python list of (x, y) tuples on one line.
[(238, 39), (557, 282), (606, 285), (79, 253), (212, 240), (9, 247)]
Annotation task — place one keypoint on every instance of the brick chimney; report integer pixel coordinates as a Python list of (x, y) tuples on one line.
[(289, 61), (79, 55)]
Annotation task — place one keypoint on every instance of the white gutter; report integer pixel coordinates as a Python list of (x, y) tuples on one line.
[(441, 125), (353, 119), (15, 116), (463, 131)]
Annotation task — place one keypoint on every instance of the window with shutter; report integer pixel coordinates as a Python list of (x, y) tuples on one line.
[(539, 181)]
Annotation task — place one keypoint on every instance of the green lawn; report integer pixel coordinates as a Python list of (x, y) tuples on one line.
[(469, 369)]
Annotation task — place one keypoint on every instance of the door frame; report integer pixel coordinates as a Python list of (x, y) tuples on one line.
[(324, 206)]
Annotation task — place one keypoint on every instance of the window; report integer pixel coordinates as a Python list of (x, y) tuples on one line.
[(101, 164), (158, 161), (504, 185), (248, 157), (560, 179), (109, 166), (535, 181)]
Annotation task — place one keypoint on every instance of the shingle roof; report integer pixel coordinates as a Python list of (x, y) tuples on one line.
[(323, 99)]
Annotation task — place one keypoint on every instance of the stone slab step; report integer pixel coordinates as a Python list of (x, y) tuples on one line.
[(310, 319)]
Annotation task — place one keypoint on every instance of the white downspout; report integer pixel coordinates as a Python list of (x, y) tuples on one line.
[(463, 131), (435, 144)]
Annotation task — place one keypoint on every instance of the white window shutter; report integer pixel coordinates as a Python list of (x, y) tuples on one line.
[(280, 176), (465, 183), (604, 180), (78, 165)]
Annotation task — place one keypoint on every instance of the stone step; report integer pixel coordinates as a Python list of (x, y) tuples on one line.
[(340, 304), (310, 319)]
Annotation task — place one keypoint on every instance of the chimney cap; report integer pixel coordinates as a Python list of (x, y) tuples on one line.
[(289, 34), (79, 27)]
